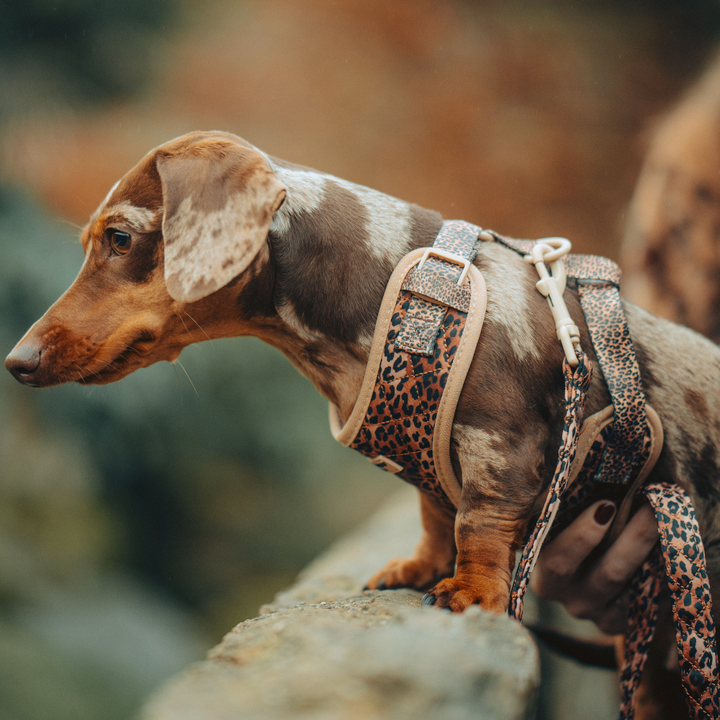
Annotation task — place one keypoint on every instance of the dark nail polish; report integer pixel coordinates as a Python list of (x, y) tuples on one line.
[(604, 513)]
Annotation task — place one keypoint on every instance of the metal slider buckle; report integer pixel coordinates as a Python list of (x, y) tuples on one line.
[(451, 257)]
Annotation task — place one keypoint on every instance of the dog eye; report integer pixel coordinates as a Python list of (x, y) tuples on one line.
[(120, 241)]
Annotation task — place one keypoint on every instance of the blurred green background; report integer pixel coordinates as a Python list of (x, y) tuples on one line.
[(141, 521)]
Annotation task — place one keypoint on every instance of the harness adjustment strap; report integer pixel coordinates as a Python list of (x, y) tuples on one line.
[(436, 282)]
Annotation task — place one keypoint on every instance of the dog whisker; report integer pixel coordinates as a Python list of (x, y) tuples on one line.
[(65, 221), (188, 377), (177, 381), (183, 322), (199, 326)]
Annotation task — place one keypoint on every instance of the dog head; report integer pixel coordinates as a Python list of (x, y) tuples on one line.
[(168, 240)]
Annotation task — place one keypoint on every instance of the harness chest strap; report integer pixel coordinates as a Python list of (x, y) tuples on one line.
[(425, 338), (431, 285)]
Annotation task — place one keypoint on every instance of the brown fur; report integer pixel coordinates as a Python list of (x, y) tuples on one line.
[(313, 288)]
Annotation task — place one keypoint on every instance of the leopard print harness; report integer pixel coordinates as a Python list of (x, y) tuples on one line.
[(425, 337)]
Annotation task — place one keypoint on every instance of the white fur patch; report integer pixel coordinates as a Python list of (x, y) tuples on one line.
[(107, 198), (478, 457), (387, 224), (387, 220), (364, 341), (305, 193), (101, 206), (141, 219), (289, 316), (508, 297)]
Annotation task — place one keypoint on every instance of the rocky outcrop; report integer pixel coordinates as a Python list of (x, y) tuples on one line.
[(327, 649)]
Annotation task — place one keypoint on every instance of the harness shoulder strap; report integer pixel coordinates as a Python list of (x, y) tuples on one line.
[(425, 338)]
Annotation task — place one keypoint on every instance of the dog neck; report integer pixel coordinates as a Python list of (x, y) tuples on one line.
[(333, 247)]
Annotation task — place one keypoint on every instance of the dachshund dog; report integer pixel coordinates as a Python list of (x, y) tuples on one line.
[(208, 237)]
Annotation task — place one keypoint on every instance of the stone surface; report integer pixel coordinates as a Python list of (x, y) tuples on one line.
[(327, 649)]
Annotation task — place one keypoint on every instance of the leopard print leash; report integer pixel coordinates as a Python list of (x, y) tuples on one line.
[(577, 382), (683, 557)]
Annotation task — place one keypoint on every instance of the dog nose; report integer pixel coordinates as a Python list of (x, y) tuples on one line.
[(23, 361)]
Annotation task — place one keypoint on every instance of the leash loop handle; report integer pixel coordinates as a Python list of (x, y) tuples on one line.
[(550, 251)]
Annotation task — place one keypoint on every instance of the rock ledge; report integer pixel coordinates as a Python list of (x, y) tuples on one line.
[(326, 649)]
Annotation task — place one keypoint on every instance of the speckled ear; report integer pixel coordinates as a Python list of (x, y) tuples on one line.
[(218, 201)]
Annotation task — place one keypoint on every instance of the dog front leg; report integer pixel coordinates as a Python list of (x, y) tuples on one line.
[(502, 475), (434, 556), (486, 543)]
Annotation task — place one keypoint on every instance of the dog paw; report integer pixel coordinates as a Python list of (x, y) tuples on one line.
[(405, 572), (456, 595)]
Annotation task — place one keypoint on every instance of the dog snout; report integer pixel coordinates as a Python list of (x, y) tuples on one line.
[(24, 361)]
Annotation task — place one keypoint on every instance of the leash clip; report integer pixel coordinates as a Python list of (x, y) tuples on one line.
[(550, 251)]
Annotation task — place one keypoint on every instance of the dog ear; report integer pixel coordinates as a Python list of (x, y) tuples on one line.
[(219, 198)]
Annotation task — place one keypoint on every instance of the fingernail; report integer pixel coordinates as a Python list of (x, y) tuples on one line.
[(604, 513)]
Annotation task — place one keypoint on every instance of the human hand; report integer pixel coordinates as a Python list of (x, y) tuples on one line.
[(596, 593)]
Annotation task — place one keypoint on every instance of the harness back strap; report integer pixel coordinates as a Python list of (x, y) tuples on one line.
[(425, 338), (597, 280)]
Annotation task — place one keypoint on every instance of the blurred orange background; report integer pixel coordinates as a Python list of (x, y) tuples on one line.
[(526, 117)]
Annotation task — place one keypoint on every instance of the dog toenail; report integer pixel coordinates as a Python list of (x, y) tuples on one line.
[(428, 599)]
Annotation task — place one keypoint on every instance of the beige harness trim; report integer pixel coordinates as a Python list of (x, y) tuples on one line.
[(657, 438), (346, 433), (590, 429)]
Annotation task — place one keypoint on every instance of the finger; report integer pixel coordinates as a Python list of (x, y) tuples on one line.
[(612, 620), (559, 561), (623, 558)]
